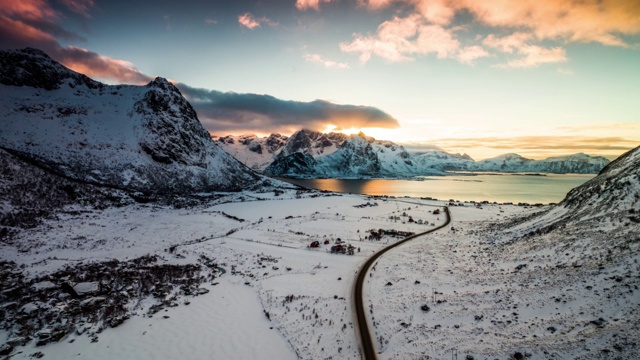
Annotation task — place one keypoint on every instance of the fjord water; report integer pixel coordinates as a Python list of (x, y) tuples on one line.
[(516, 188)]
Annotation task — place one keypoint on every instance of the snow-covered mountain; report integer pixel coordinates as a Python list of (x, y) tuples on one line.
[(336, 155), (313, 143), (575, 164), (360, 156), (444, 161), (258, 153), (141, 138)]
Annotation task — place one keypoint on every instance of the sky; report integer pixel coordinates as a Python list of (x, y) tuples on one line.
[(536, 77)]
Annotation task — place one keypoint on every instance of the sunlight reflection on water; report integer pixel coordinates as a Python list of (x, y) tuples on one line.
[(548, 188)]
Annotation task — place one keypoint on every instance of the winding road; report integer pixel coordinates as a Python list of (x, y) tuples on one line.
[(367, 346)]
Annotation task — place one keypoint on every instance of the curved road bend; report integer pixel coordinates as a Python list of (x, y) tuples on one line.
[(367, 345)]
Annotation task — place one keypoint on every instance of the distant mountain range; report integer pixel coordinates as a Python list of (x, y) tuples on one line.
[(311, 154), (139, 138)]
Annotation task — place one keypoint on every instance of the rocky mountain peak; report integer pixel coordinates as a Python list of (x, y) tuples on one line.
[(138, 138), (163, 84), (33, 68)]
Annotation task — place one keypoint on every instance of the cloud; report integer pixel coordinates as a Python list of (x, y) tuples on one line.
[(537, 55), (35, 23), (329, 64), (531, 55), (100, 66), (401, 39), (228, 112), (583, 21), (210, 21), (250, 22), (534, 146), (470, 54), (310, 4), (81, 7), (428, 27)]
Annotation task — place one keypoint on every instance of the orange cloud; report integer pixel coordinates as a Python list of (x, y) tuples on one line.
[(528, 21), (600, 21)]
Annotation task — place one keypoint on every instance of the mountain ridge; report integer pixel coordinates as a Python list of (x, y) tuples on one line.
[(140, 138), (386, 159)]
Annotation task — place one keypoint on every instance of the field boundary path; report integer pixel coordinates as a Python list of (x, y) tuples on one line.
[(366, 344)]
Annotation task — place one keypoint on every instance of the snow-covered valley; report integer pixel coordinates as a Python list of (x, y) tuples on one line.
[(279, 298)]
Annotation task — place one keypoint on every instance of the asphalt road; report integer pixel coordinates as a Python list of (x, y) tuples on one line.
[(367, 345)]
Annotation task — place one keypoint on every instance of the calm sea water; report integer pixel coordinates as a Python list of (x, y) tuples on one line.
[(549, 188)]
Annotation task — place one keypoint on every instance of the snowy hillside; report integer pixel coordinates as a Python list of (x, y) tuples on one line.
[(609, 201), (560, 282), (142, 138)]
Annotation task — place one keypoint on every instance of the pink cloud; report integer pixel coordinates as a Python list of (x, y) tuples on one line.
[(28, 9), (250, 22), (247, 20), (34, 23), (310, 4), (99, 66)]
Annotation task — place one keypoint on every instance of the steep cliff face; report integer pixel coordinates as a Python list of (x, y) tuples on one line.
[(142, 138)]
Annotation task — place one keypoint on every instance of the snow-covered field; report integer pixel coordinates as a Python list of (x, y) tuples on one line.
[(277, 298)]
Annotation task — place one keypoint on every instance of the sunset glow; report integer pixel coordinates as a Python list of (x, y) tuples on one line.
[(540, 78)]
